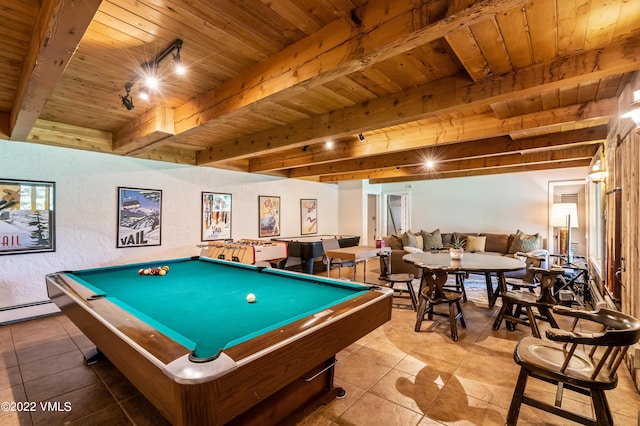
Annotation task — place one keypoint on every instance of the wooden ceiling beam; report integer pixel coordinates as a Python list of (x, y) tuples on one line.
[(445, 96), (349, 44), (463, 150), (58, 31), (564, 164), (145, 132), (5, 127), (453, 131), (340, 48), (70, 136), (453, 166)]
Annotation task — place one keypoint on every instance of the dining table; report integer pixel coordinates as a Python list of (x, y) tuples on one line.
[(486, 264)]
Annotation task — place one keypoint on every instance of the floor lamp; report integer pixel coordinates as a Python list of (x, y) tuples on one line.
[(565, 217)]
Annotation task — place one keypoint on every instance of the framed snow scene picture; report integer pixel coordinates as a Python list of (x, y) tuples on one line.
[(27, 222), (139, 217)]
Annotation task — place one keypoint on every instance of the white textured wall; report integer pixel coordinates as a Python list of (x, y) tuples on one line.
[(86, 210), (492, 203)]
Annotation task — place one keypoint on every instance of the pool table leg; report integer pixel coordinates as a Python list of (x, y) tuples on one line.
[(92, 356), (307, 265)]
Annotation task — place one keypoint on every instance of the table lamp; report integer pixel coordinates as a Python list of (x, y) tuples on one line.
[(565, 217)]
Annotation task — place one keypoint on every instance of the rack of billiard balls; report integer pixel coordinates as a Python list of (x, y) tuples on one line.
[(160, 270)]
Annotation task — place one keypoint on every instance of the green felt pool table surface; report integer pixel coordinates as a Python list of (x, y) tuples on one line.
[(202, 303)]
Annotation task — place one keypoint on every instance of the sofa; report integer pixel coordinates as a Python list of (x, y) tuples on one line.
[(495, 244)]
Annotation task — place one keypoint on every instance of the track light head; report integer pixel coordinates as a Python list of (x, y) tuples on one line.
[(127, 101), (177, 61)]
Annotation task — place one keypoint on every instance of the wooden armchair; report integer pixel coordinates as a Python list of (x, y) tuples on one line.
[(563, 361)]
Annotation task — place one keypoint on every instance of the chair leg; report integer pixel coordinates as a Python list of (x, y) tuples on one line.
[(412, 294), (452, 322), (535, 331), (516, 314), (460, 315), (422, 307), (545, 312), (518, 395), (460, 283), (503, 310), (601, 408)]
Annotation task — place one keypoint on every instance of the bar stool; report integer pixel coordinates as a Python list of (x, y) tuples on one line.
[(407, 279)]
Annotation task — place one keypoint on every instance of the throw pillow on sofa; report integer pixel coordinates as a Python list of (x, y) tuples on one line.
[(476, 244), (524, 242), (394, 242), (409, 239), (432, 240)]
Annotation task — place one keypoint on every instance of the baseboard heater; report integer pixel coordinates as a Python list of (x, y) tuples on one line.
[(27, 311)]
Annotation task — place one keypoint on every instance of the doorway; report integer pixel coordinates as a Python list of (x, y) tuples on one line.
[(397, 213), (372, 218)]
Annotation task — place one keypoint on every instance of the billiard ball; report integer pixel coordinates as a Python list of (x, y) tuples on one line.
[(141, 271), (162, 272), (166, 268), (251, 297)]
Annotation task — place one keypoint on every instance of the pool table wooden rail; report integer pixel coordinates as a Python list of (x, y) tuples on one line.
[(270, 363)]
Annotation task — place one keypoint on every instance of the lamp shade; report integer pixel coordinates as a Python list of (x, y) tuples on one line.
[(559, 213)]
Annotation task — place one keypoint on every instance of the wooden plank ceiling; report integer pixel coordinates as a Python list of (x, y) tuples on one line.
[(478, 87)]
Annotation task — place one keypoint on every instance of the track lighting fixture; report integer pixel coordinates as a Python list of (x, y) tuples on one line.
[(150, 74), (127, 101)]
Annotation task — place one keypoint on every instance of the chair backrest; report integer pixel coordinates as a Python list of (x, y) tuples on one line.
[(532, 262), (330, 243), (432, 282), (547, 279), (619, 331)]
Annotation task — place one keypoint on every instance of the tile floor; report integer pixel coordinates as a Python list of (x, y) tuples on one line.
[(393, 376)]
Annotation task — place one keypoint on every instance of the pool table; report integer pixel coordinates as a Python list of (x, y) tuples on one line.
[(201, 353), (308, 247)]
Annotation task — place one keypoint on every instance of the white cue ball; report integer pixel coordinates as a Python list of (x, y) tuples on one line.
[(251, 297)]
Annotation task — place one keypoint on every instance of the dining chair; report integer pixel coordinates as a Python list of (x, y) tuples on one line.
[(393, 279), (433, 293), (331, 244), (529, 281), (514, 302), (577, 360)]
